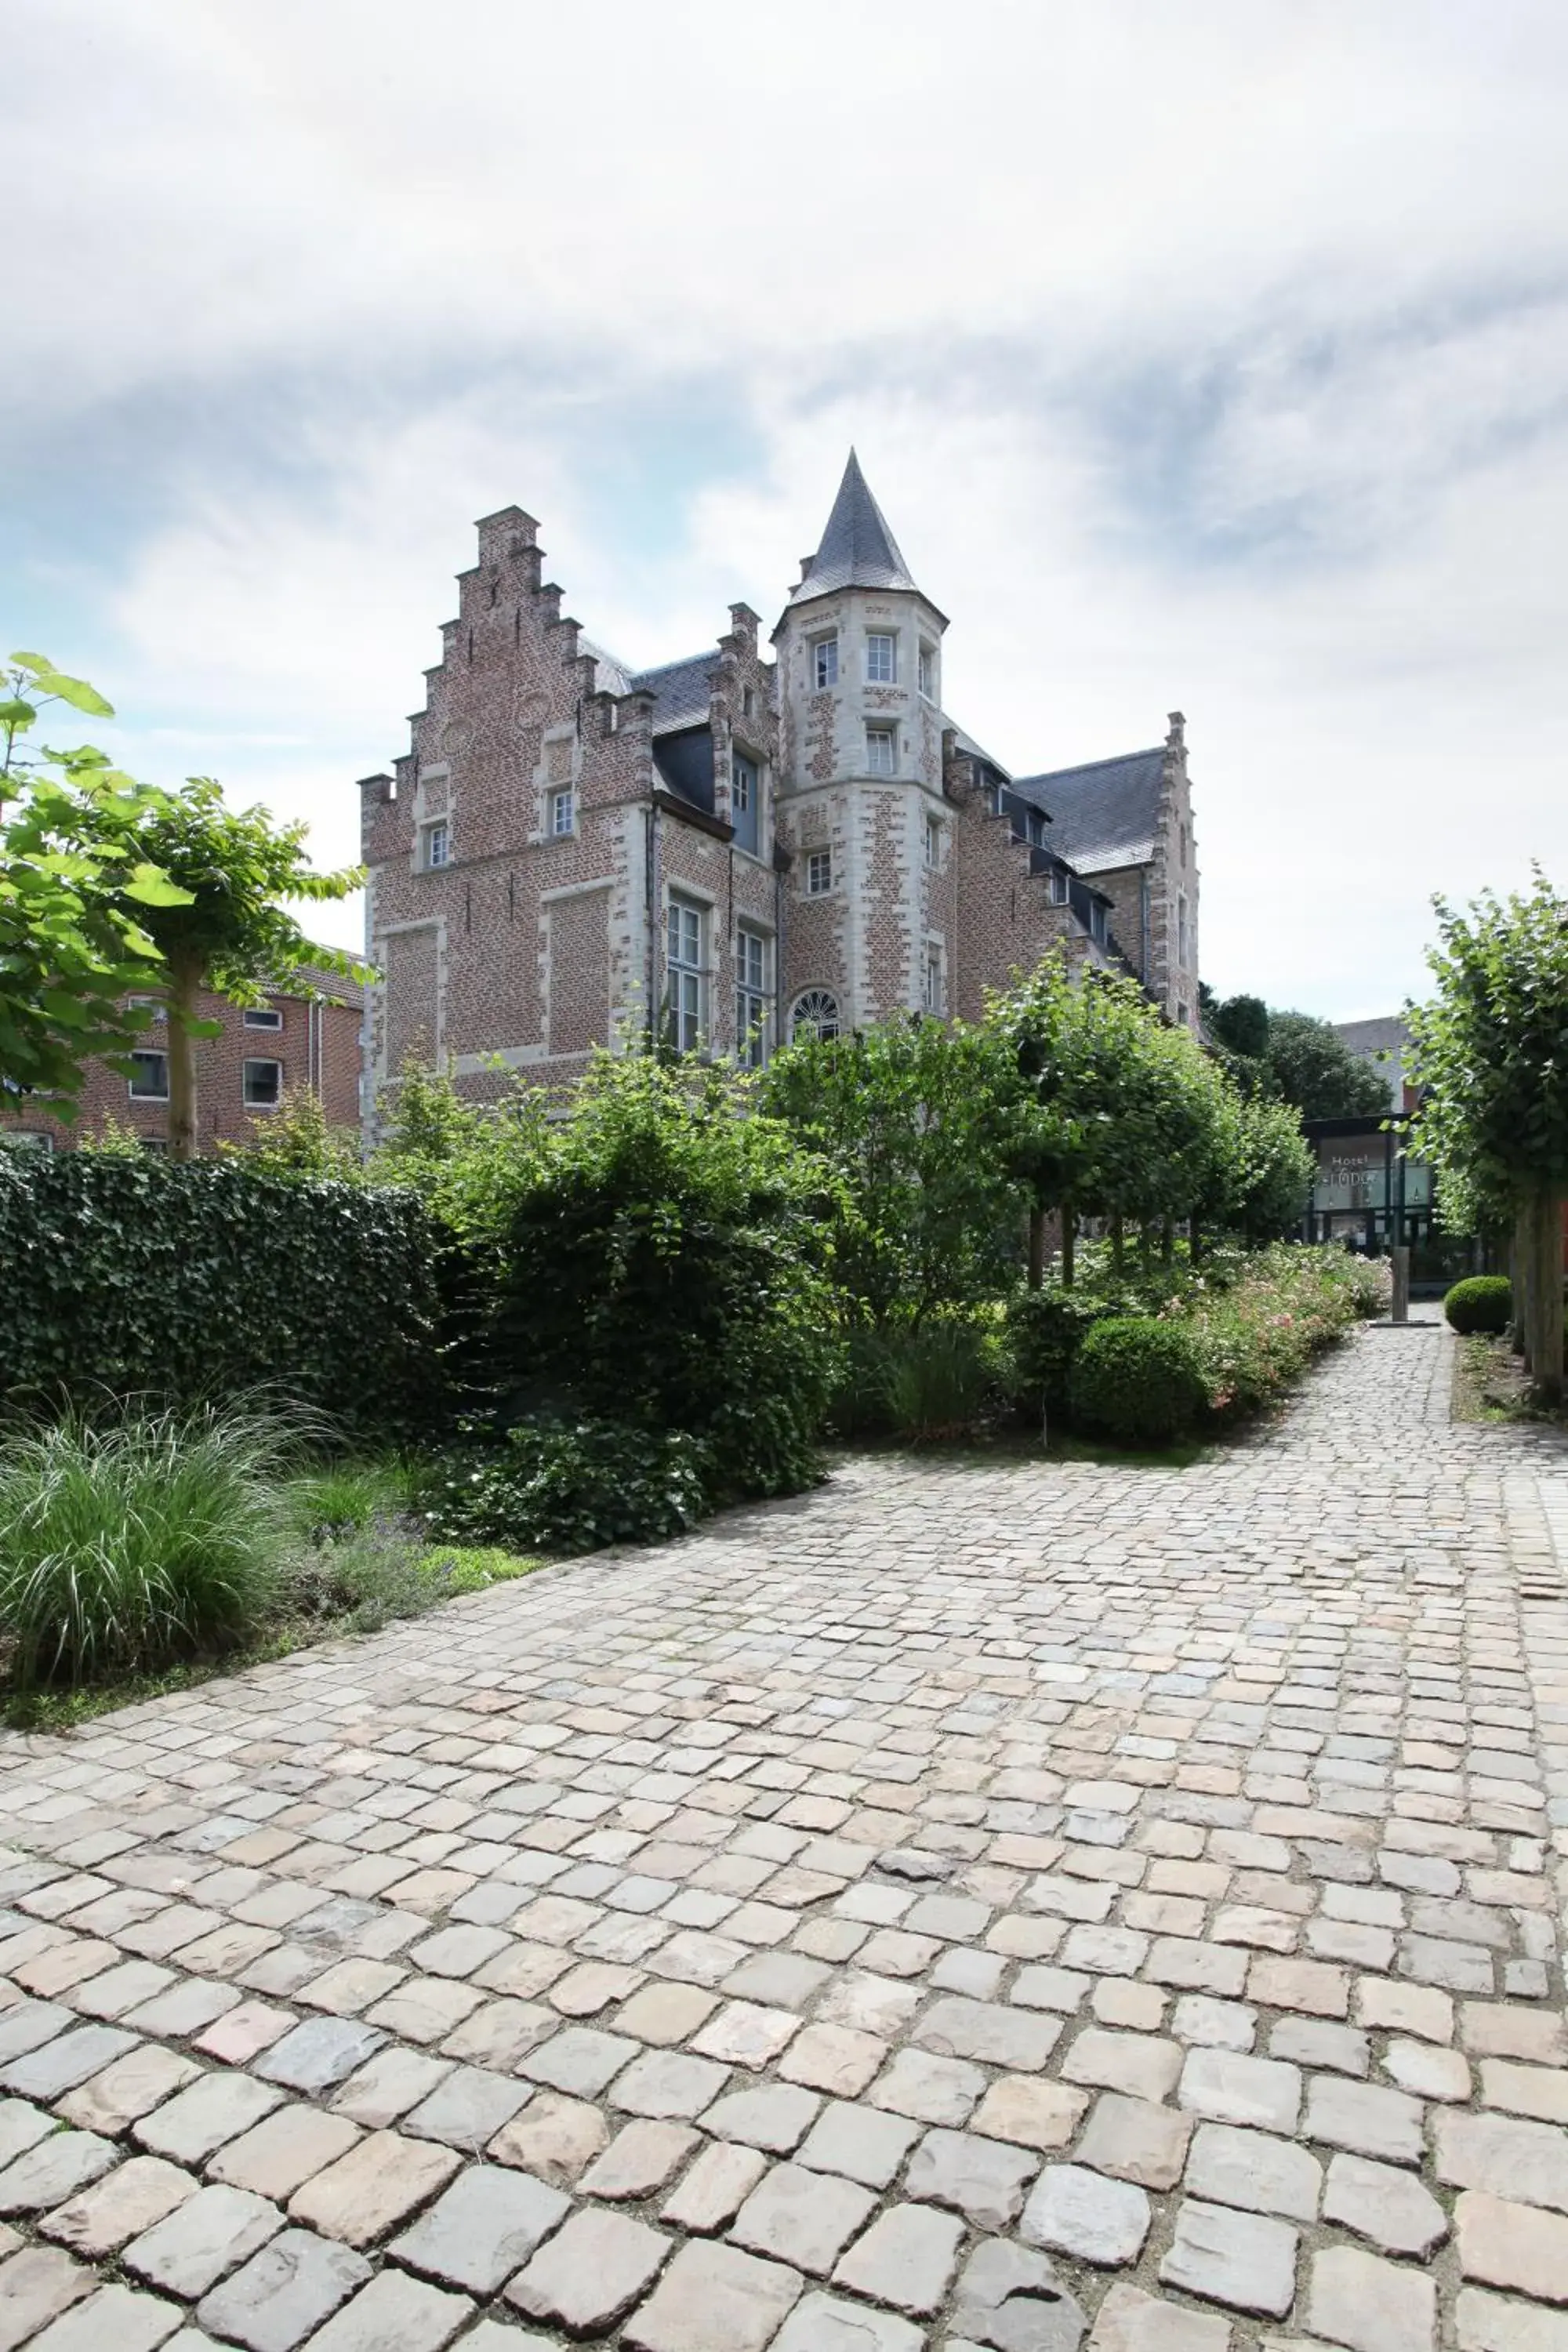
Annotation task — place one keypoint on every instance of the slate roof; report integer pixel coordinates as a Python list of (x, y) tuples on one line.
[(857, 549), (1104, 814), (683, 689)]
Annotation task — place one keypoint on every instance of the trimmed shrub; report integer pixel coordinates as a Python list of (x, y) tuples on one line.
[(571, 1487), (211, 1279), (1137, 1378), (1046, 1328), (1483, 1302), (125, 1548)]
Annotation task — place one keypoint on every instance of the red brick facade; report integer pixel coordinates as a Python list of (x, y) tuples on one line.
[(313, 1045)]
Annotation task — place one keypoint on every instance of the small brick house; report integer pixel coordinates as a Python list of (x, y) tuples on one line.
[(291, 1043), (731, 847)]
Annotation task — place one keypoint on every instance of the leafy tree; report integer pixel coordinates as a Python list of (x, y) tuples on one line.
[(1314, 1067), (77, 889), (1263, 1170), (297, 1139), (1241, 1024), (1490, 1050), (231, 931), (910, 1117), (1113, 1114)]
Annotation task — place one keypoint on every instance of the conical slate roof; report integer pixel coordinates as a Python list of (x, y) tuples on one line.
[(857, 549)]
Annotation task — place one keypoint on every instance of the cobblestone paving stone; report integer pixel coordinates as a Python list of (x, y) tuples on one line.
[(1020, 1906)]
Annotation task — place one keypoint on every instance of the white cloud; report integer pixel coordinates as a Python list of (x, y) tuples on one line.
[(1215, 356)]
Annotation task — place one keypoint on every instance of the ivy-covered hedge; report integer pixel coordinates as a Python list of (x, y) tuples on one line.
[(211, 1278)]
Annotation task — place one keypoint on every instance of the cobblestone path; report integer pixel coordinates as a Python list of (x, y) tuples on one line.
[(1016, 1907)]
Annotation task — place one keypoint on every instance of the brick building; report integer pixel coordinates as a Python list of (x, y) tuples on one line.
[(730, 846), (288, 1044)]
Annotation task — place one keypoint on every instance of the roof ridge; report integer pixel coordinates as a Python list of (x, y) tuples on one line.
[(1083, 767)]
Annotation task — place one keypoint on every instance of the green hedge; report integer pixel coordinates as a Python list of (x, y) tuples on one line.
[(210, 1278), (1137, 1378)]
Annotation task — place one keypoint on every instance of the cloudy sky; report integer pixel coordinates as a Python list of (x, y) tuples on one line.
[(1210, 355)]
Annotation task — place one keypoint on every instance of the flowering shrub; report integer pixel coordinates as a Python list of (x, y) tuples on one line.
[(1255, 1339)]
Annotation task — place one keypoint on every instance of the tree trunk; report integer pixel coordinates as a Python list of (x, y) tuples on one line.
[(1521, 1273), (185, 979), (1036, 1247), (1145, 1248), (1069, 1234), (1168, 1242), (1118, 1247), (1546, 1295)]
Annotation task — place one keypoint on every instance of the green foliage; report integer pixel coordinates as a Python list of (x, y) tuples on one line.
[(131, 1544), (908, 1115), (339, 1499), (1483, 1302), (215, 1278), (232, 929), (1046, 1328), (1313, 1068), (1136, 1377), (1263, 1170), (923, 1383), (1113, 1112), (559, 1487), (1241, 1024), (660, 1263), (75, 889), (295, 1139)]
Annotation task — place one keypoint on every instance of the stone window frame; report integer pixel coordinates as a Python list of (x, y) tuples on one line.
[(880, 731), (748, 835), (1181, 933), (824, 1018), (933, 978), (260, 1102), (693, 1007), (889, 676), (819, 875), (754, 993), (823, 651), (558, 797), (936, 843), (437, 834), (925, 670)]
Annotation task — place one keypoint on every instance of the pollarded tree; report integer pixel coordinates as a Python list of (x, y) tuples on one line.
[(233, 933), (75, 891), (1491, 1052)]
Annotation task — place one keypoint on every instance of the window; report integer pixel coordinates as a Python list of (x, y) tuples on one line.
[(149, 1078), (25, 1139), (1183, 845), (1181, 1014), (745, 799), (688, 974), (1060, 886), (882, 658), (437, 846), (931, 992), (927, 678), (1181, 933), (263, 1085), (562, 812), (933, 843), (155, 1006), (881, 751), (263, 1016), (824, 663), (818, 873), (750, 996), (815, 1014)]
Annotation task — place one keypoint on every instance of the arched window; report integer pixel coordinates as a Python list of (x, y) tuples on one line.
[(815, 1014)]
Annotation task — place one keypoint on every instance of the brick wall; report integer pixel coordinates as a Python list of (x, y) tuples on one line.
[(317, 1046)]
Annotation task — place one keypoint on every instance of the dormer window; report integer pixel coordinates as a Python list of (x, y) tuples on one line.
[(928, 673), (824, 663), (436, 846), (882, 658)]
